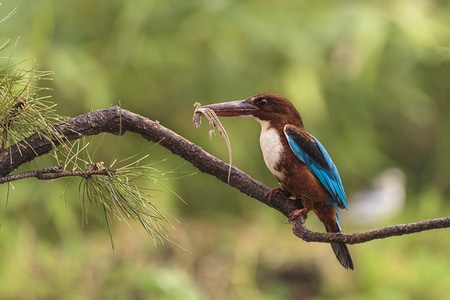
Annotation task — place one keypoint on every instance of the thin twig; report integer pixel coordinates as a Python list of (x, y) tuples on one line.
[(83, 174), (34, 173), (54, 172)]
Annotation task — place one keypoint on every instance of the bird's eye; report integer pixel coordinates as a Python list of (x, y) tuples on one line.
[(261, 102)]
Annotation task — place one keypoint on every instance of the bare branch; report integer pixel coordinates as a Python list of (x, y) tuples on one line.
[(307, 235), (34, 173), (55, 172), (117, 121)]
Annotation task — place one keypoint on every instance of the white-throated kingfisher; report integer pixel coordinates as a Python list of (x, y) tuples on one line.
[(297, 159)]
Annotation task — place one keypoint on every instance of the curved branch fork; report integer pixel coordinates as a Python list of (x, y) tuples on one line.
[(117, 121)]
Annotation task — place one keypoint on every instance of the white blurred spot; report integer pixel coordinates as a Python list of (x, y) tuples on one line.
[(384, 198)]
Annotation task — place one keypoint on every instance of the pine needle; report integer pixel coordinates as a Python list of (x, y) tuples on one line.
[(119, 195)]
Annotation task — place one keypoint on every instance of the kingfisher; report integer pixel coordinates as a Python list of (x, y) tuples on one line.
[(297, 159)]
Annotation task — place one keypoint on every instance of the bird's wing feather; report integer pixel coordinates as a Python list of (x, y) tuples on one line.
[(311, 152)]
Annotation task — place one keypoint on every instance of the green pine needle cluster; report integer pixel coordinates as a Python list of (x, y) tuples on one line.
[(120, 196), (23, 112)]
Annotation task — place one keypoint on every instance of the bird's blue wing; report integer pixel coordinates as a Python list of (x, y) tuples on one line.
[(311, 152)]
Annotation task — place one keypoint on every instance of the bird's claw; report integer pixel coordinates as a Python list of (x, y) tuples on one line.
[(296, 213)]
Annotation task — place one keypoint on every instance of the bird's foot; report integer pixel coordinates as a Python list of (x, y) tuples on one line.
[(277, 191), (296, 213)]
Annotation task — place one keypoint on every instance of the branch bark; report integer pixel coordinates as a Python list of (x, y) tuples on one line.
[(117, 121)]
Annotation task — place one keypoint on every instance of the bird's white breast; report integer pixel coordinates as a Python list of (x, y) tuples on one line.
[(271, 148)]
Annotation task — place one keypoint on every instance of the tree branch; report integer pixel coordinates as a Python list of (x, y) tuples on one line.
[(307, 235), (117, 121)]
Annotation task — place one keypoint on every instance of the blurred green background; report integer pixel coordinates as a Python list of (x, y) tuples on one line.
[(371, 79)]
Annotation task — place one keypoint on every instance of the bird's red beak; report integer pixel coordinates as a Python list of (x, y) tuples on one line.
[(232, 108)]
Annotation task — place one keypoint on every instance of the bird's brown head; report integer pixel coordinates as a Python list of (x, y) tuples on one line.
[(263, 107)]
